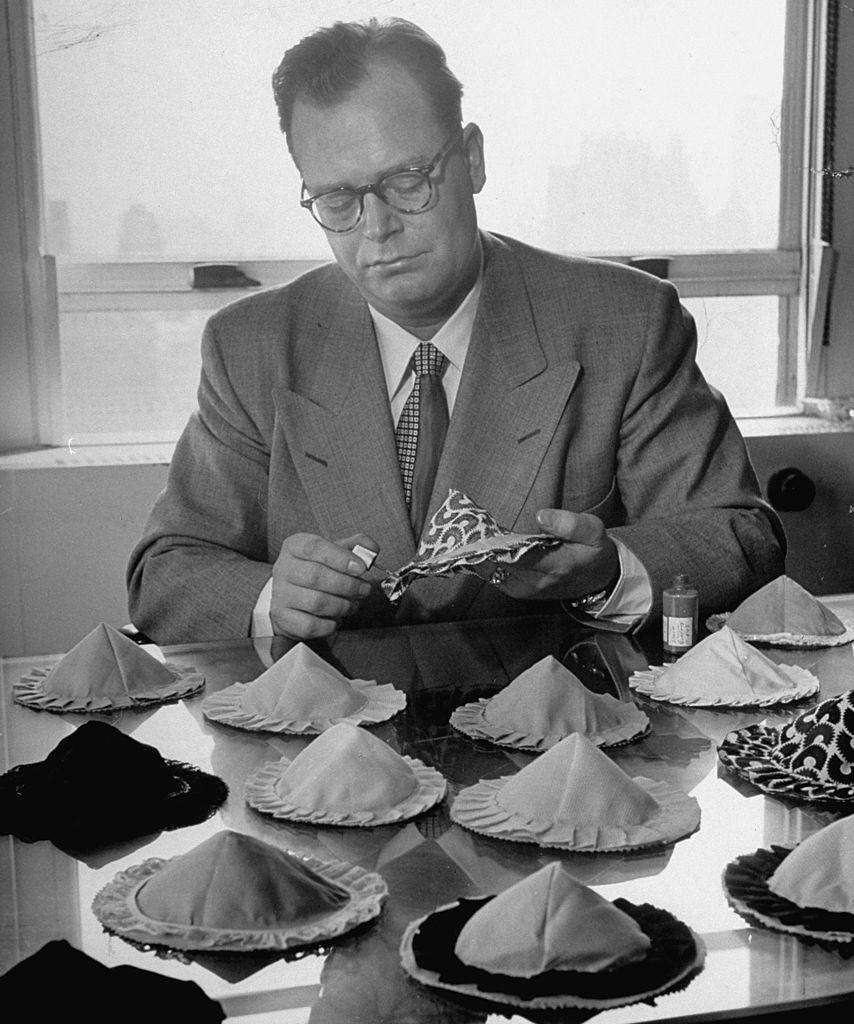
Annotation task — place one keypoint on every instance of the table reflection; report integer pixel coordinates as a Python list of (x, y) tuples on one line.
[(47, 892)]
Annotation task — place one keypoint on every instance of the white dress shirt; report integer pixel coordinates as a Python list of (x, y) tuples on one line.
[(631, 598)]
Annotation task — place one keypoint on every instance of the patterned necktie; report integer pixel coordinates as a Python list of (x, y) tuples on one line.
[(420, 432)]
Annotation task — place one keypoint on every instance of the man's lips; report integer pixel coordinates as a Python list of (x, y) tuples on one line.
[(391, 263)]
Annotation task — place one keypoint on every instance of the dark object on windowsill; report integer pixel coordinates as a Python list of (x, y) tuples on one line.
[(790, 490), (221, 275), (658, 266)]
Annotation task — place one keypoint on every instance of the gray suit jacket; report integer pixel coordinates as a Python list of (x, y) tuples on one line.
[(579, 391)]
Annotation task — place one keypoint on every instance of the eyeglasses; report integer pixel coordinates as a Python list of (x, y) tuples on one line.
[(408, 191)]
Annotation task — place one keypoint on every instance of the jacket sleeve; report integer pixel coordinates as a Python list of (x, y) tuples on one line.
[(202, 561), (692, 500)]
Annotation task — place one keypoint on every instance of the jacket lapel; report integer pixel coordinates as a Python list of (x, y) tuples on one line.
[(339, 430), (510, 400)]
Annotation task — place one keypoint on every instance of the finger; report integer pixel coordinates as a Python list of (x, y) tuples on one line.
[(305, 547), (363, 546), (577, 527), (300, 625), (312, 577), (318, 603)]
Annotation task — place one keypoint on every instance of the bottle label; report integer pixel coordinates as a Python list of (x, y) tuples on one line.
[(678, 632)]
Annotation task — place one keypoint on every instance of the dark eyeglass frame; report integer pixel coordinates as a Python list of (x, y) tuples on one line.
[(376, 187)]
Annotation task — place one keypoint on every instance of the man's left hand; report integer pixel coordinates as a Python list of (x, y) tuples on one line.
[(586, 562)]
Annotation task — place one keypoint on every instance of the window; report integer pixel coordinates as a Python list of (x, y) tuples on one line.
[(626, 128)]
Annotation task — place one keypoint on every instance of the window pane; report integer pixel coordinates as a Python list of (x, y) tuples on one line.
[(136, 372), (130, 372), (737, 348), (610, 125)]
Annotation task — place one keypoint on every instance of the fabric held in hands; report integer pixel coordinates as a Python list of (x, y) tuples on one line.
[(460, 536)]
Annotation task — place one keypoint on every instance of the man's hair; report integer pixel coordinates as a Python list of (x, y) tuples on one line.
[(327, 65)]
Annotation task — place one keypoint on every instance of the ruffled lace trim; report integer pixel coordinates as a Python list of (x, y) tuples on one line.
[(748, 753), (745, 882), (803, 684), (476, 808), (260, 791), (30, 692), (714, 623), (675, 956), (382, 701), (116, 908), (470, 719)]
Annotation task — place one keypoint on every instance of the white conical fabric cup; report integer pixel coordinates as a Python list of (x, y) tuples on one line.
[(549, 921), (575, 784), (347, 769), (819, 872), (723, 666), (784, 606), (547, 699), (301, 686), (107, 663), (105, 671), (238, 882)]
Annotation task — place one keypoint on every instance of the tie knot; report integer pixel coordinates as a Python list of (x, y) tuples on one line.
[(428, 359)]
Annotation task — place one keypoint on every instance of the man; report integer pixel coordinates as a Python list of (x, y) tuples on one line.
[(575, 404)]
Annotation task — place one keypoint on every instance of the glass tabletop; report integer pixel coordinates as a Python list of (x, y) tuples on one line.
[(47, 892)]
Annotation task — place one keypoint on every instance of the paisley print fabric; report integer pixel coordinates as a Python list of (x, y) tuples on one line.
[(460, 536), (811, 758)]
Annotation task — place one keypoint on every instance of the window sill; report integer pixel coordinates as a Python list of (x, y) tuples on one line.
[(88, 456)]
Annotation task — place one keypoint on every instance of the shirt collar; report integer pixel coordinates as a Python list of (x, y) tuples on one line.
[(397, 345)]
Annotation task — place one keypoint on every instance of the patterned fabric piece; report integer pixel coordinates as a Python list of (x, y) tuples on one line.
[(426, 360), (820, 743), (461, 535), (811, 758)]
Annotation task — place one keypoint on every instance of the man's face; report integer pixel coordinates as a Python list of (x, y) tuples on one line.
[(413, 267)]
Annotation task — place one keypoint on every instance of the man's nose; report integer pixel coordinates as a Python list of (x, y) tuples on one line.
[(379, 219)]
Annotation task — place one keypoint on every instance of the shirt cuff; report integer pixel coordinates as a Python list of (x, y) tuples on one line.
[(262, 624), (630, 600)]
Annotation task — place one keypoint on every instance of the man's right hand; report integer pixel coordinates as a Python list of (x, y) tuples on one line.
[(316, 584)]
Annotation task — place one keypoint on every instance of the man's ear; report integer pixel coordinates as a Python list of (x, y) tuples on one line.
[(473, 153)]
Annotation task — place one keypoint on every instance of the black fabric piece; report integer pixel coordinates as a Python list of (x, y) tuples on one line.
[(60, 982), (99, 786), (672, 950), (746, 880)]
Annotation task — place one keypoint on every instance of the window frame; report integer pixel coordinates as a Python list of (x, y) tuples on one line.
[(796, 270)]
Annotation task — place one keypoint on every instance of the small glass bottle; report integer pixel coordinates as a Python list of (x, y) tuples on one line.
[(679, 609)]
